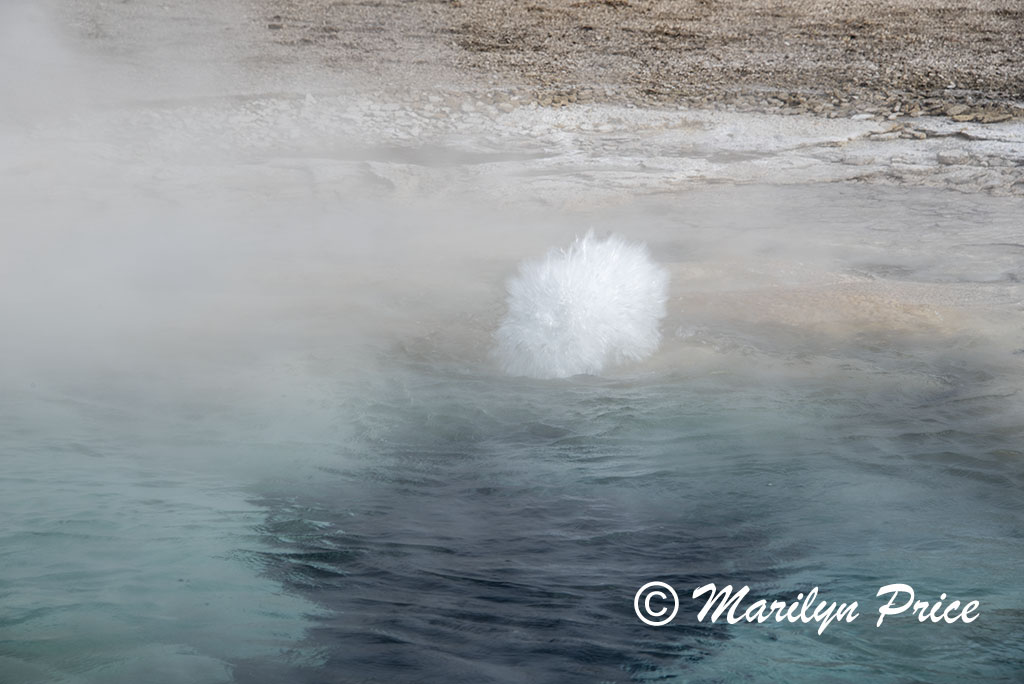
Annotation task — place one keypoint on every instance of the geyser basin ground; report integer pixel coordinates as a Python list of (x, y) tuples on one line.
[(251, 431)]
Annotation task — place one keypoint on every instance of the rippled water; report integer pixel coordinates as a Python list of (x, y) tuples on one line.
[(248, 441)]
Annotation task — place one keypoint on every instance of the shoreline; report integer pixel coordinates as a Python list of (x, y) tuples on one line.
[(393, 73), (829, 59)]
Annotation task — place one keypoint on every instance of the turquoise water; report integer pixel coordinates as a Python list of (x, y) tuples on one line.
[(246, 441)]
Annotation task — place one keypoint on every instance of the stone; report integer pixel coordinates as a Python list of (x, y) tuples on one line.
[(994, 117), (951, 158)]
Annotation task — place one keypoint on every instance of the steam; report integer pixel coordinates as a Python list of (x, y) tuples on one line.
[(599, 302), (34, 64)]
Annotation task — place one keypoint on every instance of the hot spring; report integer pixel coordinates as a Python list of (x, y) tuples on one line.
[(248, 447), (254, 428)]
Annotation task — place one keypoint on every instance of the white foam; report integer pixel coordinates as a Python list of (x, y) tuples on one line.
[(579, 309)]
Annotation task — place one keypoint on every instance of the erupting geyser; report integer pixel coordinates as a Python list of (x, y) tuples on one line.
[(579, 309)]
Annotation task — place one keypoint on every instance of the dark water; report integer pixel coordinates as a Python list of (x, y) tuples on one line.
[(496, 530), (485, 529)]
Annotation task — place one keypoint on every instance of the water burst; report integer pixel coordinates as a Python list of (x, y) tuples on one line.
[(579, 309)]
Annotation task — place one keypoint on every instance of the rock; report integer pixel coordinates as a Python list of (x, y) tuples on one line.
[(961, 118), (994, 117), (957, 110), (951, 158)]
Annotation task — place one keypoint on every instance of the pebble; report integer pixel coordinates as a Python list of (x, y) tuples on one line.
[(949, 159), (995, 117)]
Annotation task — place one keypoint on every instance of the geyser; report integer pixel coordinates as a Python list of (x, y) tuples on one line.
[(579, 309)]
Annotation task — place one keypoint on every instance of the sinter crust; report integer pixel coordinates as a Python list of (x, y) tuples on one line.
[(831, 58)]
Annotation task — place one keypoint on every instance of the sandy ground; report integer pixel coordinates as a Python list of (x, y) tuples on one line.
[(582, 102), (832, 58)]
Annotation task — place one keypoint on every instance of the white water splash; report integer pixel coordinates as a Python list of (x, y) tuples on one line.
[(577, 310)]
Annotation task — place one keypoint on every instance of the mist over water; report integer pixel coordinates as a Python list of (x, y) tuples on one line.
[(252, 430)]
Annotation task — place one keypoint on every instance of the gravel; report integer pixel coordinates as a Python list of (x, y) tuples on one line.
[(832, 58)]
